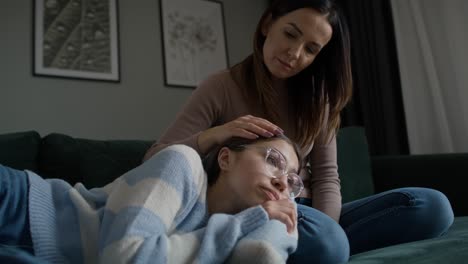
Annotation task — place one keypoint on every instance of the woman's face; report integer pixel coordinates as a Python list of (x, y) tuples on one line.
[(248, 174), (293, 41)]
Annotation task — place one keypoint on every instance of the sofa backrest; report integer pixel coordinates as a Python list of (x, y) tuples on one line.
[(98, 162), (354, 164), (91, 162)]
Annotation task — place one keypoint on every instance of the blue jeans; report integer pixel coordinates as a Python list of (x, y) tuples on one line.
[(388, 218), (14, 217)]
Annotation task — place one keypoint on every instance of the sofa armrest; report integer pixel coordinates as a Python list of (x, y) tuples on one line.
[(447, 173), (20, 150)]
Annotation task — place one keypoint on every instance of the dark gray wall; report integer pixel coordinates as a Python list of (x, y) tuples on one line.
[(140, 106)]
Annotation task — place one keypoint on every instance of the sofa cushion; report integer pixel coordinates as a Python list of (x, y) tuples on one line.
[(91, 162), (449, 248), (19, 150)]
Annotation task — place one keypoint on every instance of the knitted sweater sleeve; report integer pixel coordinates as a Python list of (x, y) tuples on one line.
[(270, 243), (147, 204)]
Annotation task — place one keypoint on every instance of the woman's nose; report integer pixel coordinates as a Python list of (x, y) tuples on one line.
[(294, 51)]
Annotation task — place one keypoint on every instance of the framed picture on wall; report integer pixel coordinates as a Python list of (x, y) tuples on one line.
[(76, 39), (194, 41)]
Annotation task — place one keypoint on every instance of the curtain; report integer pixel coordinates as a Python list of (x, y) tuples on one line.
[(377, 98), (432, 42)]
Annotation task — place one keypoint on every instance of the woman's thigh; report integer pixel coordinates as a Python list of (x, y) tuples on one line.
[(395, 216), (14, 217), (321, 239)]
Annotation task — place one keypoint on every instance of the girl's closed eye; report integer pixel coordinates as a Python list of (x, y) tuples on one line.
[(272, 161), (276, 160)]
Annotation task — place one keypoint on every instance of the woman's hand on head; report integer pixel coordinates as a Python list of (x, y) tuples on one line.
[(247, 126), (283, 211)]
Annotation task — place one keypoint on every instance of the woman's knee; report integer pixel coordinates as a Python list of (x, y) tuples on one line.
[(321, 239), (436, 210)]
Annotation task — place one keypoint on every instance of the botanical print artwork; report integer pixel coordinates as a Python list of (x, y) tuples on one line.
[(194, 42), (77, 35), (190, 38)]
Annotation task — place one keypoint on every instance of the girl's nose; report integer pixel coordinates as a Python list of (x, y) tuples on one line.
[(280, 183)]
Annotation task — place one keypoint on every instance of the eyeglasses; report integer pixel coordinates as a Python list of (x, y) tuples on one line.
[(277, 167)]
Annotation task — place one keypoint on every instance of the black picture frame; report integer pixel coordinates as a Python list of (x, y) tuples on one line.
[(193, 40), (76, 39)]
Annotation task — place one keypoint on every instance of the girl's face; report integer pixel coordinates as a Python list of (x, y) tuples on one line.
[(248, 174), (293, 41)]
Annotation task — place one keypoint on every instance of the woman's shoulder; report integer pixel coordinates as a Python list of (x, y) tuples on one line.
[(219, 85), (220, 74), (222, 78)]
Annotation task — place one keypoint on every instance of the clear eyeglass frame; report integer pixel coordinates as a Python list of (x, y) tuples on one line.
[(276, 164)]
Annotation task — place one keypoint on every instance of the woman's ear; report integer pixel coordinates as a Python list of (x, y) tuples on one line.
[(266, 25), (224, 158)]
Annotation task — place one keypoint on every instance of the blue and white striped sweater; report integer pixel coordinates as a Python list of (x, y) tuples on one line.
[(155, 213)]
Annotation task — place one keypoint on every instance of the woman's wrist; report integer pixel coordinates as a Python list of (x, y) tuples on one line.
[(207, 140)]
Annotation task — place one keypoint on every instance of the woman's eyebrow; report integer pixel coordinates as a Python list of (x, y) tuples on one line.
[(292, 24)]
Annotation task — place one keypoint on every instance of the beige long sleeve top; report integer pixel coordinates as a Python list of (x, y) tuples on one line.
[(218, 100)]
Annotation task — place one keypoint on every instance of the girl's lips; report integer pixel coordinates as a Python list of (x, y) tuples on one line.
[(271, 194)]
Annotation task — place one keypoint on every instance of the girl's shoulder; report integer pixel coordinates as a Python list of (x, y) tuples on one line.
[(177, 158)]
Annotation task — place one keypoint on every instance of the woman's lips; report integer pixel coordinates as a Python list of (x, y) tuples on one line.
[(285, 65)]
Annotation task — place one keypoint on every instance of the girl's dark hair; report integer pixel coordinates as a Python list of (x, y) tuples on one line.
[(320, 91), (210, 161)]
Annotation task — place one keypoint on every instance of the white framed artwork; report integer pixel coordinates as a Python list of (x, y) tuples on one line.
[(194, 41)]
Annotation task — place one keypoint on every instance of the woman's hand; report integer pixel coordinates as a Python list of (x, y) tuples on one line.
[(247, 126), (283, 211)]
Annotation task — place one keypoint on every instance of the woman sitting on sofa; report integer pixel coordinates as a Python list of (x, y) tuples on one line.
[(165, 210)]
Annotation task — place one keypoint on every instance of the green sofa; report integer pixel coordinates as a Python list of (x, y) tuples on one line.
[(97, 162), (362, 175)]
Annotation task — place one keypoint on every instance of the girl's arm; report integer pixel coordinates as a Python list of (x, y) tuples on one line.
[(270, 243), (147, 205)]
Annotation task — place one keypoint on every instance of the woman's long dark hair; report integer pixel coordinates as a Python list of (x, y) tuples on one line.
[(210, 161), (319, 92)]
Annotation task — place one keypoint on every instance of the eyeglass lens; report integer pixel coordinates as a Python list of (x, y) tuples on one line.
[(277, 165)]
